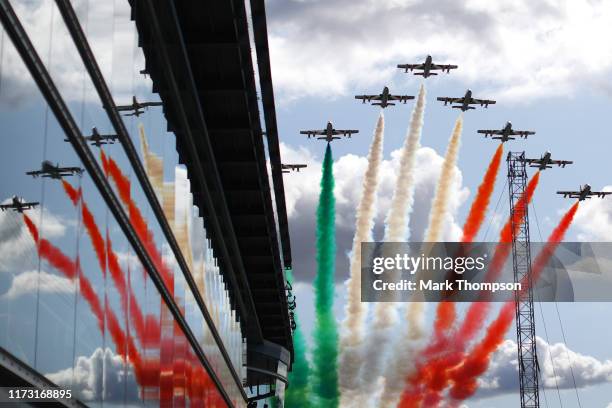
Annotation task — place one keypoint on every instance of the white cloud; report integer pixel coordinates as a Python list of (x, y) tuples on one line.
[(30, 282), (302, 194), (103, 374), (502, 376), (511, 50), (111, 38), (594, 219)]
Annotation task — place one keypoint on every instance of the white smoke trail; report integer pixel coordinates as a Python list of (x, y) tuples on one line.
[(385, 314), (404, 350), (352, 335), (443, 190)]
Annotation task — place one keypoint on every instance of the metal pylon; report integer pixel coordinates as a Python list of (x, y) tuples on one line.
[(521, 258)]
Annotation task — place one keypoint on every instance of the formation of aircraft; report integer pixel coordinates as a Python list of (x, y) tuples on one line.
[(19, 205), (329, 134), (427, 67), (504, 134), (383, 99), (465, 101), (288, 168), (545, 162), (47, 169), (584, 193), (137, 108)]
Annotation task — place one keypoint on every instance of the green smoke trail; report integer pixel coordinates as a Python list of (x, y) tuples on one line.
[(325, 375), (298, 393)]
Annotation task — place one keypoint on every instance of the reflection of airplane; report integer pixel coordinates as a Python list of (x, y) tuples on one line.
[(329, 133), (288, 168), (97, 139), (47, 169), (465, 101), (584, 193), (504, 134), (545, 162), (427, 67), (384, 98), (137, 108), (18, 205)]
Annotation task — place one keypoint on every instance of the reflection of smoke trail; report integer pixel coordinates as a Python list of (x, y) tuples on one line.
[(105, 254), (355, 310), (325, 331), (298, 395), (465, 376), (154, 164), (447, 351), (70, 269), (443, 189), (136, 219)]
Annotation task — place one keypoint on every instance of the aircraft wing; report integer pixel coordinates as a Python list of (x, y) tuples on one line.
[(447, 100), (368, 98), (34, 173), (146, 104), (523, 133), (561, 163), (483, 102), (347, 132), (601, 194), (401, 98), (124, 107), (29, 205), (446, 68), (571, 194), (410, 67), (489, 132), (311, 133)]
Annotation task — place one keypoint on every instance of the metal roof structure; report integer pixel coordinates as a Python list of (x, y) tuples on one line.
[(209, 62)]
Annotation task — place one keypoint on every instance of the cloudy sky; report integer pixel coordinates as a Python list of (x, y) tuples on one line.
[(547, 63)]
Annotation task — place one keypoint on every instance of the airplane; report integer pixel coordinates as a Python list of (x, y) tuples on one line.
[(384, 98), (329, 133), (504, 134), (97, 139), (584, 193), (47, 169), (288, 168), (545, 162), (466, 101), (137, 108), (427, 67), (18, 205)]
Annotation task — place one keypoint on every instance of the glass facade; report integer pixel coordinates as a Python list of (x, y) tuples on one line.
[(76, 304)]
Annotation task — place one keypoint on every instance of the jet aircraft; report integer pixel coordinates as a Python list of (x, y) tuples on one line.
[(384, 98), (18, 205), (137, 108), (584, 193), (427, 67), (288, 168), (465, 101), (545, 162), (504, 134), (329, 134), (47, 169)]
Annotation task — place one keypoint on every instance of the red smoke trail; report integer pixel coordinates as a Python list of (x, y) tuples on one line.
[(478, 210), (465, 376), (106, 255), (452, 346), (136, 219)]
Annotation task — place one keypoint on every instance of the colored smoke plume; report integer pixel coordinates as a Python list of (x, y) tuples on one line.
[(352, 336), (325, 375)]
